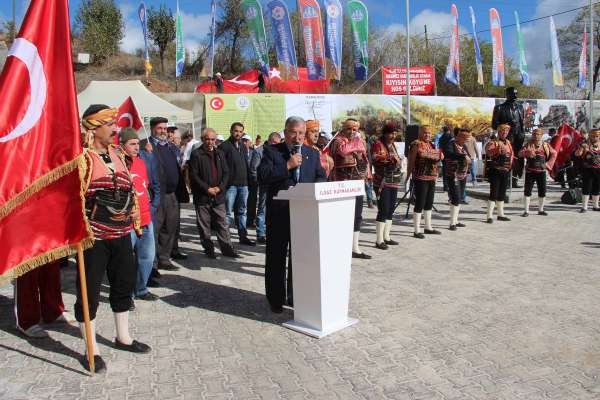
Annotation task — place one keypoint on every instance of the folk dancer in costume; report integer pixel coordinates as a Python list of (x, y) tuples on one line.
[(312, 140), (589, 154), (386, 183), (423, 160), (456, 171), (350, 160), (539, 157), (500, 155), (109, 204)]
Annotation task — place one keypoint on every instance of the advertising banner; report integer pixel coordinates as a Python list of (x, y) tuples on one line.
[(284, 39), (359, 24), (312, 32), (497, 49), (260, 114), (254, 20), (422, 80), (334, 24)]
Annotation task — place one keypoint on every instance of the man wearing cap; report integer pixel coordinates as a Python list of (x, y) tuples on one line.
[(109, 204), (312, 140), (349, 154), (326, 160), (167, 216), (143, 245), (278, 170), (208, 179), (236, 197)]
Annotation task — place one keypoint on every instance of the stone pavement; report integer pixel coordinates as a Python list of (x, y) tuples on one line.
[(502, 311)]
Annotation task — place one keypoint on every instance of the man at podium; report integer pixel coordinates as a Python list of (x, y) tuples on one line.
[(284, 165)]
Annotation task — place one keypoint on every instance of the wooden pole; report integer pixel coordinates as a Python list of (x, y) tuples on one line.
[(86, 310)]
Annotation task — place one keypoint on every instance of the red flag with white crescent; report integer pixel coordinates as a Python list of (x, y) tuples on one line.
[(565, 142), (40, 144), (128, 115)]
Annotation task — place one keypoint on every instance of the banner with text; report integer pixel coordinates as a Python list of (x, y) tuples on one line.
[(422, 80)]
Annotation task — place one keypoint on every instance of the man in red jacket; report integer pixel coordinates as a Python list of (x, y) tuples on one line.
[(143, 245)]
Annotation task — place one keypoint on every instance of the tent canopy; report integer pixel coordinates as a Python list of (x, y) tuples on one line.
[(149, 105)]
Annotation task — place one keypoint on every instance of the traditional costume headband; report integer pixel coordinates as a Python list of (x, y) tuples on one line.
[(502, 126), (312, 124), (102, 117), (595, 132)]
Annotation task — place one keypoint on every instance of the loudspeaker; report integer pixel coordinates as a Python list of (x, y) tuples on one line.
[(412, 134)]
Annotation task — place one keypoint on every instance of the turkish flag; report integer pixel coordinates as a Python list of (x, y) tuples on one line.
[(247, 82), (565, 142), (40, 144), (128, 115)]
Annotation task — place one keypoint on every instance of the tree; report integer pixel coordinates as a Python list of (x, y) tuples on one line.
[(100, 26), (569, 43), (232, 32), (161, 29), (11, 32)]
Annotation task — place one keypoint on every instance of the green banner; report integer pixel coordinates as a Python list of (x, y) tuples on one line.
[(260, 114), (179, 49), (254, 19), (359, 24)]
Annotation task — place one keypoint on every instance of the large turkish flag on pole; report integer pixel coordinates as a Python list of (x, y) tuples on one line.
[(41, 206)]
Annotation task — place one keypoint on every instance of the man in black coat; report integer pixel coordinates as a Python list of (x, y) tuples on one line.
[(284, 165), (208, 177), (511, 112), (236, 196)]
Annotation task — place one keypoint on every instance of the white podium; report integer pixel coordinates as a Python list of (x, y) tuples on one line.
[(321, 223)]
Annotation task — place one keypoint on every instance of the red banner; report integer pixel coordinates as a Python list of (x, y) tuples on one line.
[(422, 80), (314, 43), (41, 207), (247, 82)]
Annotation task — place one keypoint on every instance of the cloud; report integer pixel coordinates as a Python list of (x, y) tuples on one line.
[(195, 27), (438, 25)]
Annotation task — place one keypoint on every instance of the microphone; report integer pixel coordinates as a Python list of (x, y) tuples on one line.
[(297, 150)]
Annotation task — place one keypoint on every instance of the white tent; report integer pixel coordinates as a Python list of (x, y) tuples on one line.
[(149, 105)]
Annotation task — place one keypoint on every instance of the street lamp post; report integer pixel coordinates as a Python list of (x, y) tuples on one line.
[(591, 71), (408, 62)]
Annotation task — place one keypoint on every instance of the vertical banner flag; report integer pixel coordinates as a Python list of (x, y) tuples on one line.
[(557, 76), (312, 32), (179, 49), (284, 39), (521, 49), (41, 203), (359, 24), (478, 62), (334, 24), (497, 49), (144, 22), (453, 67), (254, 19), (583, 68), (207, 68)]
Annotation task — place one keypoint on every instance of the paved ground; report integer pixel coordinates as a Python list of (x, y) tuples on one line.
[(502, 311)]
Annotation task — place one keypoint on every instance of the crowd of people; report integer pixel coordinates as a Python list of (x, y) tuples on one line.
[(134, 192)]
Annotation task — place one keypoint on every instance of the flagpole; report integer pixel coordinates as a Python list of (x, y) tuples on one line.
[(86, 310), (591, 72), (408, 62)]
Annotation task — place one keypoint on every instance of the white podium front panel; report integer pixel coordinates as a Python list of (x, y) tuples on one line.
[(321, 221)]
